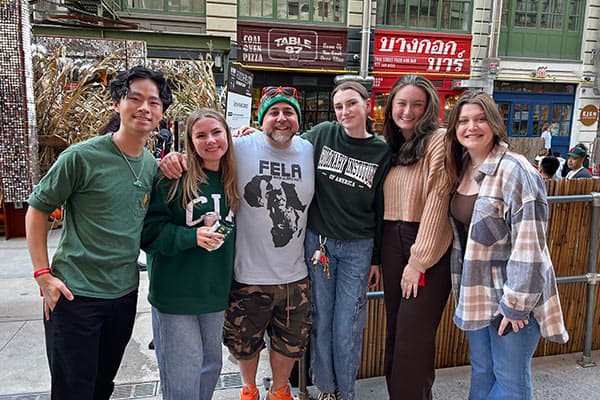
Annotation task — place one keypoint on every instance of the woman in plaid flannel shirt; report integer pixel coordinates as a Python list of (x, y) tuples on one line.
[(501, 266)]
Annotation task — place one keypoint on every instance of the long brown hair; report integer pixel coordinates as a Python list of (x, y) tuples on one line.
[(195, 176), (456, 152), (409, 152)]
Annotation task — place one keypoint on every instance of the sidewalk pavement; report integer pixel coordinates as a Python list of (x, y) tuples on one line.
[(24, 369)]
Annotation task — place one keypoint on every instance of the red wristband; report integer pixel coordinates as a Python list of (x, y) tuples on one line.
[(42, 272)]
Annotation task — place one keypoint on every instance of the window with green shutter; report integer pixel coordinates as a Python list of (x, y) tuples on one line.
[(435, 15), (541, 29), (173, 7), (305, 11)]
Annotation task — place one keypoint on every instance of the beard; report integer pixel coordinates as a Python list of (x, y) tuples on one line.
[(280, 138)]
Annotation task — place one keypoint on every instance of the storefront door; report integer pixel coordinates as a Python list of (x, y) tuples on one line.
[(526, 107)]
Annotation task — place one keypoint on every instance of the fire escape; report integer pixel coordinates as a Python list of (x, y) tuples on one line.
[(79, 13)]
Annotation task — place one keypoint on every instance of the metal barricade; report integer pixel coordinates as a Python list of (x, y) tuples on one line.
[(592, 277)]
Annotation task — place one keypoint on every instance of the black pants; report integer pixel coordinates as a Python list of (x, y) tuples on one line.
[(411, 324), (85, 342)]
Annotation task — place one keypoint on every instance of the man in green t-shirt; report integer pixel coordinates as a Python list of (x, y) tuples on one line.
[(90, 289)]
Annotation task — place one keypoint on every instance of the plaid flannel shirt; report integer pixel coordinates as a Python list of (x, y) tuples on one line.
[(506, 264)]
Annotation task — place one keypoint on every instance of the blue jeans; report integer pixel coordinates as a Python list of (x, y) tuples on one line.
[(501, 365), (339, 312), (190, 354), (155, 334)]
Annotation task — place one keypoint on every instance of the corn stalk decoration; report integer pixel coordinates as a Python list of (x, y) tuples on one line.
[(193, 85), (73, 101)]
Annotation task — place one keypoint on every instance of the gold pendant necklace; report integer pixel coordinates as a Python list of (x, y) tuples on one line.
[(137, 182)]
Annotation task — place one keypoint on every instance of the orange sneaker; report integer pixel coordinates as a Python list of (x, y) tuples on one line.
[(249, 392), (284, 393)]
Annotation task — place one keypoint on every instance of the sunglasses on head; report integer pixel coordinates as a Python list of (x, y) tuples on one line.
[(287, 91)]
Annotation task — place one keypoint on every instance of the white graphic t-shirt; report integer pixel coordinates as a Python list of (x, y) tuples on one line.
[(276, 187)]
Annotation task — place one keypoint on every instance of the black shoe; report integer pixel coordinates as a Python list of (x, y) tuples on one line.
[(151, 345)]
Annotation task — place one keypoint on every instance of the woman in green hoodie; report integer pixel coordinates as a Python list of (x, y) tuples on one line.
[(192, 264)]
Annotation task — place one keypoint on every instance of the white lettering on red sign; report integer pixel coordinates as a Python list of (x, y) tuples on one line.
[(418, 46), (252, 48), (412, 51)]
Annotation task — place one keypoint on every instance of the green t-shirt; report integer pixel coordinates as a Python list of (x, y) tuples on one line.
[(104, 215), (349, 175), (185, 278)]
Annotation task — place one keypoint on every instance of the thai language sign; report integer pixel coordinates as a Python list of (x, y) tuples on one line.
[(422, 52), (291, 47)]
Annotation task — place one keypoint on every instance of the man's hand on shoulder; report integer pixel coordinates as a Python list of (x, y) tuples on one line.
[(244, 130), (173, 165)]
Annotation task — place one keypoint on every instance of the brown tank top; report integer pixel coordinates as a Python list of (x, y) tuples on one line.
[(461, 209)]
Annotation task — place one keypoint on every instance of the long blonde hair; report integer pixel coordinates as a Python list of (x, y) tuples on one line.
[(195, 176)]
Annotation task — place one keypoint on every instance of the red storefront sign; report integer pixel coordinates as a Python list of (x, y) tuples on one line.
[(422, 52), (291, 46)]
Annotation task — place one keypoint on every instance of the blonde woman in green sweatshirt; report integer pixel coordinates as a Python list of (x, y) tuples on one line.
[(192, 265)]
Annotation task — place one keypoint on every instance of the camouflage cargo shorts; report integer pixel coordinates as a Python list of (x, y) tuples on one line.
[(283, 311)]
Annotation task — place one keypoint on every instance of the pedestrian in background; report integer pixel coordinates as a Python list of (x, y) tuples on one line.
[(416, 237), (164, 140), (547, 136), (113, 124), (548, 167), (561, 163), (575, 161), (502, 275)]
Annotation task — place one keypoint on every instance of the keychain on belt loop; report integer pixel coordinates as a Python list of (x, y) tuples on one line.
[(320, 256)]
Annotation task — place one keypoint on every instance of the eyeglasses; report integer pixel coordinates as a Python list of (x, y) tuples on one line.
[(287, 91)]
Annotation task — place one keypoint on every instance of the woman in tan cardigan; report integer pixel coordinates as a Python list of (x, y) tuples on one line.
[(416, 237)]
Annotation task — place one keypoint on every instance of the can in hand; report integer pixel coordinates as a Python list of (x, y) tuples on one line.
[(223, 227), (210, 218)]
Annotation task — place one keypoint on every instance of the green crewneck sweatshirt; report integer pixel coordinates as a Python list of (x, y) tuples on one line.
[(348, 202), (187, 279)]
